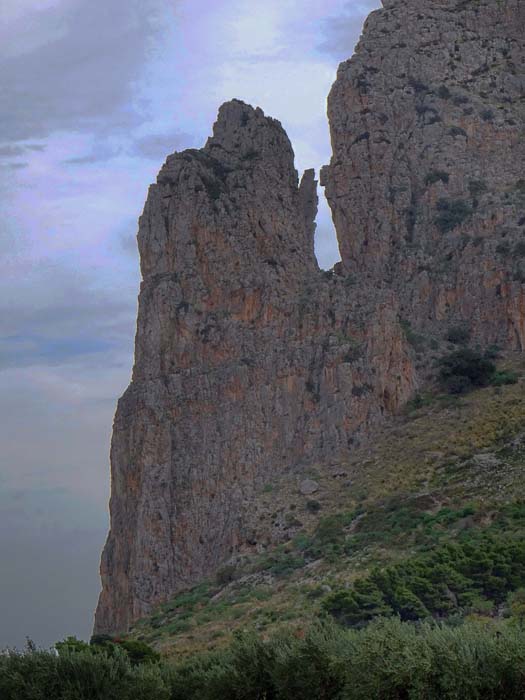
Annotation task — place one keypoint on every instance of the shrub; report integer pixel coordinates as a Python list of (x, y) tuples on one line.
[(225, 575), (477, 187), (416, 340), (313, 506), (457, 131), (503, 378), (437, 176), (503, 249), (78, 675), (519, 249), (139, 652), (389, 660), (452, 213), (459, 335), (465, 369), (453, 577)]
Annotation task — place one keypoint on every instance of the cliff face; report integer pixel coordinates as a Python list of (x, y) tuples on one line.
[(249, 360), (427, 179)]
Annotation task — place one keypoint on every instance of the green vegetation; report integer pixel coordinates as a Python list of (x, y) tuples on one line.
[(477, 187), (451, 214), (504, 377), (137, 652), (474, 574), (79, 674), (416, 340), (458, 335), (389, 660), (437, 176), (465, 369)]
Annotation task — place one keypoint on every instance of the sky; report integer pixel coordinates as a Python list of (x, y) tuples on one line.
[(94, 97)]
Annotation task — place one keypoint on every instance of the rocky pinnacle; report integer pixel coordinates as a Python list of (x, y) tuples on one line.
[(249, 360)]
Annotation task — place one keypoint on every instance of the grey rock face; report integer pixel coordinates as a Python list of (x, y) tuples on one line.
[(249, 360), (427, 183)]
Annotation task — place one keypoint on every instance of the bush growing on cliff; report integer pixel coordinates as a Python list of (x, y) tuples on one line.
[(458, 335), (451, 214), (464, 369)]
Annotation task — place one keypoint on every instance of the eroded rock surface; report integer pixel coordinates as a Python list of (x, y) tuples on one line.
[(249, 360), (427, 179)]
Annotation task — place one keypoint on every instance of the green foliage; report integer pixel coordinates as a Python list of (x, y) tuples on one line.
[(225, 575), (519, 249), (451, 214), (79, 675), (464, 369), (71, 645), (504, 378), (389, 660), (516, 605), (457, 131), (477, 187), (313, 506), (139, 652), (450, 578), (416, 340), (437, 176), (458, 335), (280, 563)]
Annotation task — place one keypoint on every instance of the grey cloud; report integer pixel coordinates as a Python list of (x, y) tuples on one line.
[(342, 33), (79, 73), (94, 157), (16, 166), (11, 151), (158, 146), (57, 320)]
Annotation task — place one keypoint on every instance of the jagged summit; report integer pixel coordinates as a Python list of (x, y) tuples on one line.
[(250, 361)]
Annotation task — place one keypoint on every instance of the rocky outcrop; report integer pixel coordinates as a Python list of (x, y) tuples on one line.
[(249, 360), (427, 179)]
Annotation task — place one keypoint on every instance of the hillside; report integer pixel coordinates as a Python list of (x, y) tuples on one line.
[(451, 470)]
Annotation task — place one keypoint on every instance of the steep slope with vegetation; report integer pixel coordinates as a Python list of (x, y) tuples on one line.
[(426, 522)]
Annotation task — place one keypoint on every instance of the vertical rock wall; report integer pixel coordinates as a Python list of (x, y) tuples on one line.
[(427, 178), (249, 360)]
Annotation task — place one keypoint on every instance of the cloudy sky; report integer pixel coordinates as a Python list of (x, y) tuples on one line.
[(94, 96)]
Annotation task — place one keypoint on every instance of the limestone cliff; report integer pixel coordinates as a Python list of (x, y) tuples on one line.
[(249, 360), (427, 179)]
